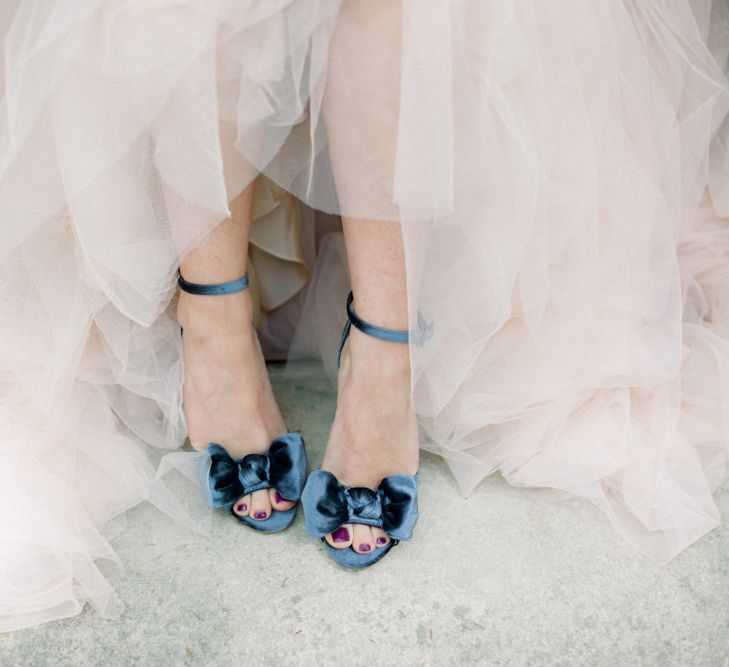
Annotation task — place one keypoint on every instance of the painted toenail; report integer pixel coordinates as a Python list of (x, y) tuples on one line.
[(280, 498), (341, 535), (259, 515), (381, 540), (241, 508), (364, 547)]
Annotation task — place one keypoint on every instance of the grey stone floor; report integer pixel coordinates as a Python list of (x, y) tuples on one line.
[(505, 577)]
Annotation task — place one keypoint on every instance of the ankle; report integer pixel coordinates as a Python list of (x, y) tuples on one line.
[(365, 356), (206, 316)]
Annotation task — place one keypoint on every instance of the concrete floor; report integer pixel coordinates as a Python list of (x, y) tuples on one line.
[(517, 579)]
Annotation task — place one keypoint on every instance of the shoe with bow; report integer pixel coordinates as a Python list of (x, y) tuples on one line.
[(225, 479), (260, 489), (358, 526)]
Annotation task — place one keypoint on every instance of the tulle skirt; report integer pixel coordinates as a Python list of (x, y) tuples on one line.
[(560, 173)]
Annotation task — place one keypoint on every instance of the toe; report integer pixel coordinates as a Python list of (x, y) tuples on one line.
[(242, 505), (362, 540), (260, 505), (381, 538), (341, 538), (278, 502)]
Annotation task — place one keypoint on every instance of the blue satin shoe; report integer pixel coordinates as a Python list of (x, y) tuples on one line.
[(393, 506), (225, 479)]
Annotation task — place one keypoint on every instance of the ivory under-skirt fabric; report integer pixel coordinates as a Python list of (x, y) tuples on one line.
[(561, 175)]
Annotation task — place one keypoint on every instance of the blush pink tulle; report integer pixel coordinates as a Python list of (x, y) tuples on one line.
[(561, 175)]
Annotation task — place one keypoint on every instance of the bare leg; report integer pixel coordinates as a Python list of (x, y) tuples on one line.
[(374, 433), (227, 395)]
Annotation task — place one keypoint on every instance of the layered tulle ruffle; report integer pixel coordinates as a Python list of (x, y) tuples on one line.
[(559, 172), (125, 130), (570, 251)]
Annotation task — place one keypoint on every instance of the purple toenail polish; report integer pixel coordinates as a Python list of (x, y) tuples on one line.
[(364, 547), (381, 540), (341, 535), (241, 508), (280, 498), (259, 515)]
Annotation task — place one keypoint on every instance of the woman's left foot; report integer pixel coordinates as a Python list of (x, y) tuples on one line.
[(375, 431)]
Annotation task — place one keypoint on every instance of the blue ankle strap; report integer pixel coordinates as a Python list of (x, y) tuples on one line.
[(215, 288), (391, 335)]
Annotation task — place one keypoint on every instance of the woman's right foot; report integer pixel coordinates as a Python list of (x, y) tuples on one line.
[(375, 432), (227, 394)]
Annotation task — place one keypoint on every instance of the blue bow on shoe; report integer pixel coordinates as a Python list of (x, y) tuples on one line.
[(393, 506), (282, 467)]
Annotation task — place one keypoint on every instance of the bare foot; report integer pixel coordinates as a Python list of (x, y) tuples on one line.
[(375, 431), (227, 395)]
